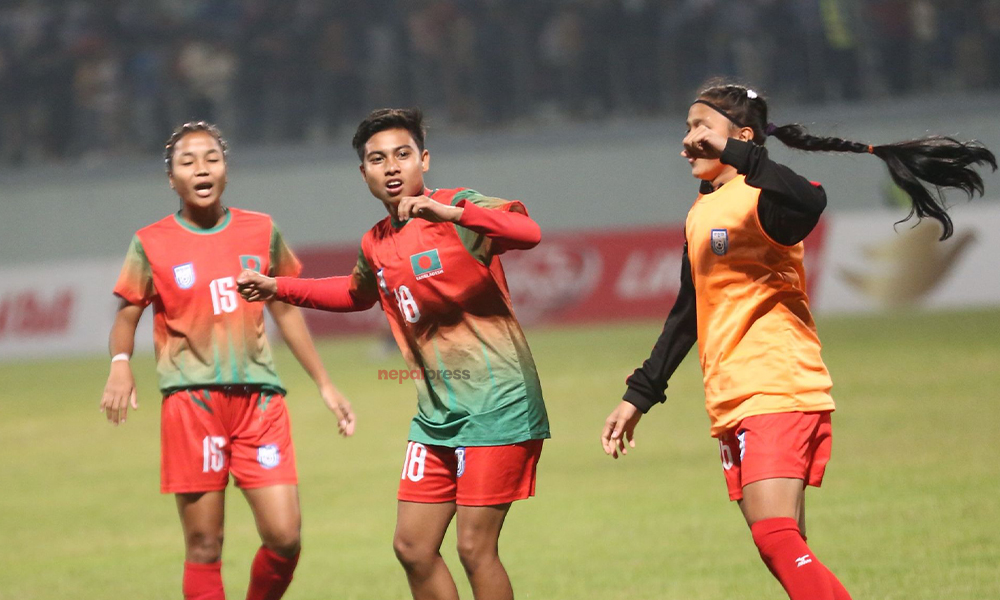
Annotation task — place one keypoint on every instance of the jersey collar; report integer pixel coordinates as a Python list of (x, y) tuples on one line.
[(194, 229)]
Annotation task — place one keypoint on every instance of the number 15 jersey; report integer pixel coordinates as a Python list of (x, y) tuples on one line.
[(204, 334)]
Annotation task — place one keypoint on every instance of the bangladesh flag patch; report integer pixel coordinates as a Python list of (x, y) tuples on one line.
[(426, 264), (249, 261)]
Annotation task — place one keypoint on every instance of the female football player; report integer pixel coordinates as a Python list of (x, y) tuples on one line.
[(434, 266), (223, 409), (743, 299)]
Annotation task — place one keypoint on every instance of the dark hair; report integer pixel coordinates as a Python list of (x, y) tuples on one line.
[(410, 119), (191, 127), (940, 161)]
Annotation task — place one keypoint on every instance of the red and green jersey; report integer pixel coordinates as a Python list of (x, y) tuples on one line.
[(203, 332), (443, 290)]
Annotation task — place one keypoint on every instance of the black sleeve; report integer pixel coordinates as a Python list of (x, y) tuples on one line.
[(646, 385), (789, 205)]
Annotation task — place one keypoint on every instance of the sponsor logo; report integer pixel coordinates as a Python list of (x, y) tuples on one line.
[(552, 277), (426, 264), (184, 275), (460, 455), (269, 456), (249, 261), (803, 560), (720, 241)]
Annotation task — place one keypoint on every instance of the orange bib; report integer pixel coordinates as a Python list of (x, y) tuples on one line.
[(756, 338)]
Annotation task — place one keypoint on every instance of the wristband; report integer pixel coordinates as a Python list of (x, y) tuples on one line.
[(121, 356)]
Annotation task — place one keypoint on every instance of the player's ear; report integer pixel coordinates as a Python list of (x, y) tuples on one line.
[(361, 168), (746, 134), (425, 160), (170, 179)]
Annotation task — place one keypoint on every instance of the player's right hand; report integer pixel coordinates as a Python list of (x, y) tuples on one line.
[(119, 393), (255, 287), (618, 427)]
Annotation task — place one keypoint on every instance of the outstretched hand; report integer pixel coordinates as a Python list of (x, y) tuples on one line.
[(619, 427), (425, 208), (255, 287), (702, 142)]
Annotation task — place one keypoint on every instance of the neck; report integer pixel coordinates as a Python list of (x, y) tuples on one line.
[(391, 207), (724, 177), (204, 218)]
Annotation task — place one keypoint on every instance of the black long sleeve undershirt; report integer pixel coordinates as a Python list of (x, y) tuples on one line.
[(789, 207), (647, 384)]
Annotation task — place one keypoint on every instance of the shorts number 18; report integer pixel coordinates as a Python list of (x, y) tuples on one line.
[(413, 466)]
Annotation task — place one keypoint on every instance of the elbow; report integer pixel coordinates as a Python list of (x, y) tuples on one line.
[(534, 236)]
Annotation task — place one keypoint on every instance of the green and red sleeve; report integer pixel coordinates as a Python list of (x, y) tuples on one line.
[(135, 282)]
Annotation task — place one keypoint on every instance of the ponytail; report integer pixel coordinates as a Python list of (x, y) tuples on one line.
[(942, 162)]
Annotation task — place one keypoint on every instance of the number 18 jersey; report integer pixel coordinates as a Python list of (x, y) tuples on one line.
[(204, 334), (445, 295)]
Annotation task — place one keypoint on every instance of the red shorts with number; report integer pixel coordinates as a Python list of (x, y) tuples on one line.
[(469, 476), (795, 445), (206, 434)]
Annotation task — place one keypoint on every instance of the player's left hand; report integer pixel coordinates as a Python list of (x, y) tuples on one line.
[(340, 407), (702, 142), (422, 207)]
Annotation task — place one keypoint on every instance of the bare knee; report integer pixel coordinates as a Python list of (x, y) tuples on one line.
[(285, 542), (414, 556), (203, 547), (475, 553)]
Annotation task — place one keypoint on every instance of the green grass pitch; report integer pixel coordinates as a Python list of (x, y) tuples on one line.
[(910, 508)]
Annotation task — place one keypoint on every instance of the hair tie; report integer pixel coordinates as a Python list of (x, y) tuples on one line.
[(770, 129), (871, 149)]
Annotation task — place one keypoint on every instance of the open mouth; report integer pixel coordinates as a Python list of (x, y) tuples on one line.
[(394, 186), (203, 189)]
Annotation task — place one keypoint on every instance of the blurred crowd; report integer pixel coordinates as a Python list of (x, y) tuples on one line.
[(92, 79)]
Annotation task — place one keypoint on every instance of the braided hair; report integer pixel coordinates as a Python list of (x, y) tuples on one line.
[(941, 161), (183, 130)]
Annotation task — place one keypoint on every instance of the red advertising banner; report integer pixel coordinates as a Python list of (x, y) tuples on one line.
[(571, 277)]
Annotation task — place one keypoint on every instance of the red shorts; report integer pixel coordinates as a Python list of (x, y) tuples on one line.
[(469, 476), (794, 445), (206, 434)]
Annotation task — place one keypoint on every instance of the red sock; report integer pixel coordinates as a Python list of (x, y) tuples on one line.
[(839, 591), (203, 581), (793, 563), (270, 575)]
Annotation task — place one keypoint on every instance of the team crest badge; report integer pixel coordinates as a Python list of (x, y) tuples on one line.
[(720, 241), (460, 456), (269, 456), (426, 264), (184, 275), (249, 261)]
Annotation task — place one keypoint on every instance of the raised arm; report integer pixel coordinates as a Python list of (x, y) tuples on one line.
[(119, 391), (293, 329), (509, 229), (789, 205)]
